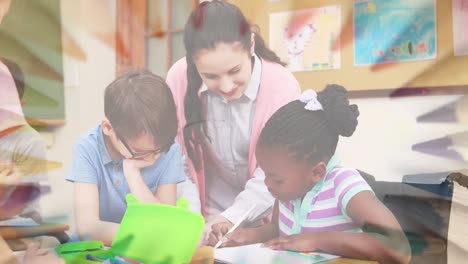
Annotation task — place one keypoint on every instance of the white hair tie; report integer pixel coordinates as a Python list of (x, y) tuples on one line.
[(309, 97)]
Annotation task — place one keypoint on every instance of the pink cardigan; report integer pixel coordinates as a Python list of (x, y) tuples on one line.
[(277, 88)]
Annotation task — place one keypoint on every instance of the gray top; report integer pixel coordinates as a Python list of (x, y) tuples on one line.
[(229, 189)]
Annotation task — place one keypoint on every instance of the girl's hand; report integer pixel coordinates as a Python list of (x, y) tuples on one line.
[(239, 237), (218, 231), (300, 243), (208, 228)]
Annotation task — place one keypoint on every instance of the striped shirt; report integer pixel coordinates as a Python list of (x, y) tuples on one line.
[(324, 207)]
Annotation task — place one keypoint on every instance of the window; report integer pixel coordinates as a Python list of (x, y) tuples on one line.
[(150, 33)]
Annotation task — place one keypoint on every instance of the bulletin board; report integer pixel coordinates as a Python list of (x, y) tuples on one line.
[(443, 70)]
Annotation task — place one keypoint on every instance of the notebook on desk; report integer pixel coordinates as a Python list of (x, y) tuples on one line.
[(257, 254)]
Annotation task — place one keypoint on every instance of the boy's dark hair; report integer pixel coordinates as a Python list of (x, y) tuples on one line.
[(210, 24), (17, 74), (312, 135), (138, 102)]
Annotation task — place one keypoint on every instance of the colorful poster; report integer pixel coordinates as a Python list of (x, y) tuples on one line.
[(460, 27), (311, 41), (394, 31)]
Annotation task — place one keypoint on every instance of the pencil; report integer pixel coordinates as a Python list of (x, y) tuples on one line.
[(220, 242)]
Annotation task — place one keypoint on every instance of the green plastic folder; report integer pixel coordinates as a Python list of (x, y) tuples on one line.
[(75, 252), (157, 233)]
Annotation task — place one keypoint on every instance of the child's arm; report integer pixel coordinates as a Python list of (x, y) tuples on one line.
[(245, 236), (33, 255), (165, 193), (89, 226), (173, 173), (7, 256), (389, 245)]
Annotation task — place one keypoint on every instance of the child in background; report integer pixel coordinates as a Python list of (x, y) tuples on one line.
[(319, 204), (21, 145), (131, 151), (11, 119)]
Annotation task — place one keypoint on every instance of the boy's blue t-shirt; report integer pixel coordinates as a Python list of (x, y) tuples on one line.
[(92, 164)]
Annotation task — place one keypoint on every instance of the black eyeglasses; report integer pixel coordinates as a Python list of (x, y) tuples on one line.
[(138, 155)]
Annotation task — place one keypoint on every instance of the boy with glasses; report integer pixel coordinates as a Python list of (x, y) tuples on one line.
[(131, 151)]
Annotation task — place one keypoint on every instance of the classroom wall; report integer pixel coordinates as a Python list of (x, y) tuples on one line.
[(85, 81), (386, 131), (387, 126)]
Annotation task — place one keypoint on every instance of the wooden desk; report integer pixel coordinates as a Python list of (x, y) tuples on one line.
[(350, 261), (201, 253), (45, 229), (335, 261), (205, 255)]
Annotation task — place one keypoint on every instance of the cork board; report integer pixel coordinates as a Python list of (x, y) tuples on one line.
[(446, 70)]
